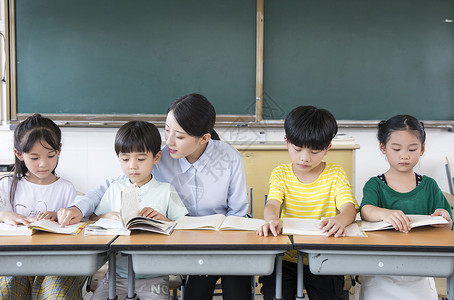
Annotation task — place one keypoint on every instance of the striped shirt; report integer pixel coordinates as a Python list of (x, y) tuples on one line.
[(321, 198)]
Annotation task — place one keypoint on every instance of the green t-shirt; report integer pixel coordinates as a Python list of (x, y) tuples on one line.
[(423, 200)]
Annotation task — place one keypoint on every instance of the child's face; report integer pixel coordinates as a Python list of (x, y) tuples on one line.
[(305, 159), (402, 150), (41, 160), (138, 165), (180, 143)]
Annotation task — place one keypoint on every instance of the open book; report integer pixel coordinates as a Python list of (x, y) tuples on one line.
[(416, 221), (219, 222), (129, 219), (44, 225), (116, 227), (106, 227), (312, 227)]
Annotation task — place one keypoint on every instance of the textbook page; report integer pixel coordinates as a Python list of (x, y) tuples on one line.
[(312, 227), (129, 204), (241, 223), (115, 227), (52, 226), (7, 229), (416, 221), (211, 222), (106, 227), (219, 222), (148, 224)]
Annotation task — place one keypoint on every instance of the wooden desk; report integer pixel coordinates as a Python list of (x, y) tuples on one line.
[(202, 252), (260, 160), (45, 253), (425, 251)]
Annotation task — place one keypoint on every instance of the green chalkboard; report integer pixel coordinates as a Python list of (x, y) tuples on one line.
[(128, 57), (361, 59)]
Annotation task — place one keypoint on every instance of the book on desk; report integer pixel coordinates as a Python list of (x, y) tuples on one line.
[(43, 225), (416, 221), (298, 226), (129, 219), (211, 222), (116, 227), (219, 222)]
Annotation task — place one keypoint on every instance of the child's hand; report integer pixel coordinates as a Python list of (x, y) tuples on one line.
[(112, 215), (51, 215), (442, 212), (15, 219), (398, 219), (332, 226), (273, 226), (152, 214)]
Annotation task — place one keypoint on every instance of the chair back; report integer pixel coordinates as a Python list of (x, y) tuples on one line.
[(450, 174)]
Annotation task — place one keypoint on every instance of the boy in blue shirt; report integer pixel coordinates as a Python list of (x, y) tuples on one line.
[(138, 147)]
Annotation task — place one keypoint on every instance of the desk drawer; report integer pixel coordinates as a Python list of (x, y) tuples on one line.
[(382, 263), (203, 263), (69, 263)]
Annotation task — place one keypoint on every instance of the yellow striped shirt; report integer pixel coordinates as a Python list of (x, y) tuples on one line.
[(321, 198)]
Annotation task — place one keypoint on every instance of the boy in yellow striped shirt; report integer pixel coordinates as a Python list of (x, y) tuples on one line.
[(308, 188)]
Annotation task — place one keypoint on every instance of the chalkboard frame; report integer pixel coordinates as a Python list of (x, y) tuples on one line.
[(361, 60), (80, 119), (90, 120)]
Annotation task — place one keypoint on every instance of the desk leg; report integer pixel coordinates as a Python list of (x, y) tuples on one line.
[(131, 280), (112, 276), (450, 287), (278, 270), (300, 277), (252, 287)]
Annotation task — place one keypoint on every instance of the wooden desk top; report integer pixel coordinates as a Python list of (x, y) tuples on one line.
[(47, 241), (202, 240), (418, 239)]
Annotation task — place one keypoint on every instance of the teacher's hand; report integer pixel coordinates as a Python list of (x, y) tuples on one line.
[(69, 216)]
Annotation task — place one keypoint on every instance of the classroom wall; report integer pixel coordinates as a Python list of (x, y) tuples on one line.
[(88, 157)]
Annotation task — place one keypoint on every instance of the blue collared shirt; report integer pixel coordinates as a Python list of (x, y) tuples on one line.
[(214, 184)]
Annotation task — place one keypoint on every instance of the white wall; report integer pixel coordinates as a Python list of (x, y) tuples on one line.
[(88, 157)]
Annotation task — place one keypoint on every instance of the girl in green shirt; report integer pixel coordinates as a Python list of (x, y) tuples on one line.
[(391, 196)]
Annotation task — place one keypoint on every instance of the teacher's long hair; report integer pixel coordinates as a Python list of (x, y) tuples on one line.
[(195, 114)]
